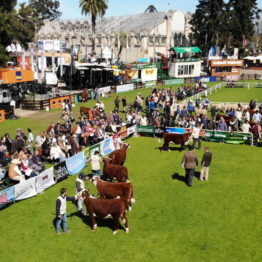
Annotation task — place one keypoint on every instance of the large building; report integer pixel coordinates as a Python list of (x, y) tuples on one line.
[(137, 36)]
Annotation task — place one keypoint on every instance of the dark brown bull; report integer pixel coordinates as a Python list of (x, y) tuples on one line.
[(118, 157), (105, 208), (176, 139), (114, 190), (111, 171)]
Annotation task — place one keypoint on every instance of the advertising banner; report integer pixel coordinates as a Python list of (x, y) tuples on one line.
[(150, 84), (176, 81), (131, 130), (94, 148), (149, 74), (132, 74), (227, 137), (60, 172), (206, 79), (176, 130), (122, 134), (44, 180), (145, 129), (103, 90), (7, 196), (124, 88), (26, 189), (75, 163), (107, 146)]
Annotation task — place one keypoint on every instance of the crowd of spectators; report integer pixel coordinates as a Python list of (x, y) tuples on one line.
[(25, 153)]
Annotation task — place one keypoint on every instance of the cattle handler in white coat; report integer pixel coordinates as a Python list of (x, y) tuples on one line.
[(80, 186)]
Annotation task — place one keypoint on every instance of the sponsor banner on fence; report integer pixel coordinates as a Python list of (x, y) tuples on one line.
[(175, 130), (149, 74), (150, 83), (124, 88), (145, 129), (227, 137), (94, 148), (107, 146), (60, 171), (7, 196), (131, 130), (75, 163), (205, 79), (176, 81), (104, 90), (25, 189), (44, 180)]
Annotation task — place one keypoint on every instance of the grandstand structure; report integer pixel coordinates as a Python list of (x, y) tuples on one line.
[(141, 35)]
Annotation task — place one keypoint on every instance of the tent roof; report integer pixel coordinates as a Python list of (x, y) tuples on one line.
[(193, 49)]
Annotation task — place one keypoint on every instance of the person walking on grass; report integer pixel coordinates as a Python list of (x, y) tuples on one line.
[(205, 164), (189, 162), (61, 219)]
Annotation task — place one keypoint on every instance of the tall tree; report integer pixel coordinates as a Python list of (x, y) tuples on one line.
[(242, 14), (95, 8), (207, 24), (151, 9), (45, 9), (7, 31)]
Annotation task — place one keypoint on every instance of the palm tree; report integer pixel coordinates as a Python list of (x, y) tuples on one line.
[(95, 8), (151, 9)]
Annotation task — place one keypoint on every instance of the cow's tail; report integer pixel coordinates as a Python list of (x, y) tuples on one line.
[(132, 194)]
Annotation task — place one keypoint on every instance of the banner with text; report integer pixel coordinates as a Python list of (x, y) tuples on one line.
[(44, 180), (145, 129), (7, 196), (75, 163), (124, 88), (227, 137), (107, 146), (177, 81), (60, 171), (25, 189)]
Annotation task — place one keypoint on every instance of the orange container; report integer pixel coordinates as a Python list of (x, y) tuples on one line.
[(12, 76), (2, 115), (57, 102)]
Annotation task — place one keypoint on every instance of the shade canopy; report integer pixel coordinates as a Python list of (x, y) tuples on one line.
[(183, 50)]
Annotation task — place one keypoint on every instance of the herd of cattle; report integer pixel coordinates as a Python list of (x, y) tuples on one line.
[(116, 198)]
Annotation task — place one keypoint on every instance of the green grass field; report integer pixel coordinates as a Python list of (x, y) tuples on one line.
[(218, 220), (243, 95)]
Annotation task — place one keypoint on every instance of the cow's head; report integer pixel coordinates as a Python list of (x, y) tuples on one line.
[(125, 146), (107, 160), (94, 180), (187, 138)]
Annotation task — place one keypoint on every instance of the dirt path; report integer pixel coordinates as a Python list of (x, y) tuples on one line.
[(37, 114)]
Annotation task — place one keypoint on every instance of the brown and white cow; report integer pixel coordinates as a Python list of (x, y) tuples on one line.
[(114, 190), (105, 208), (119, 156), (111, 171), (176, 139)]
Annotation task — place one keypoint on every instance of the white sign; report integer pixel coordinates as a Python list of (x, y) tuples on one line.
[(25, 189), (131, 130), (149, 74), (107, 146), (124, 88), (103, 90), (45, 180)]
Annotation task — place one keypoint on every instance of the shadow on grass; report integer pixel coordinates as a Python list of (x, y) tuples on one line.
[(161, 149), (101, 222), (176, 176)]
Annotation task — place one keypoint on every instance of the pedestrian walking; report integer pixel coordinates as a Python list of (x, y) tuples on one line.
[(189, 162), (205, 164)]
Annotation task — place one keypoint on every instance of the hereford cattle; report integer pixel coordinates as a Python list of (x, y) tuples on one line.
[(114, 190), (119, 156), (104, 208), (86, 111), (112, 171), (175, 138)]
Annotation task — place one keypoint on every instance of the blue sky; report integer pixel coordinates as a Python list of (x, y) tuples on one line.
[(70, 8)]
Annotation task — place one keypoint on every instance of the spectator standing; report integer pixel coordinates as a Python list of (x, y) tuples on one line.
[(195, 135), (256, 131), (96, 161), (124, 103), (80, 186), (189, 162), (117, 102), (205, 163), (61, 211), (222, 126)]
